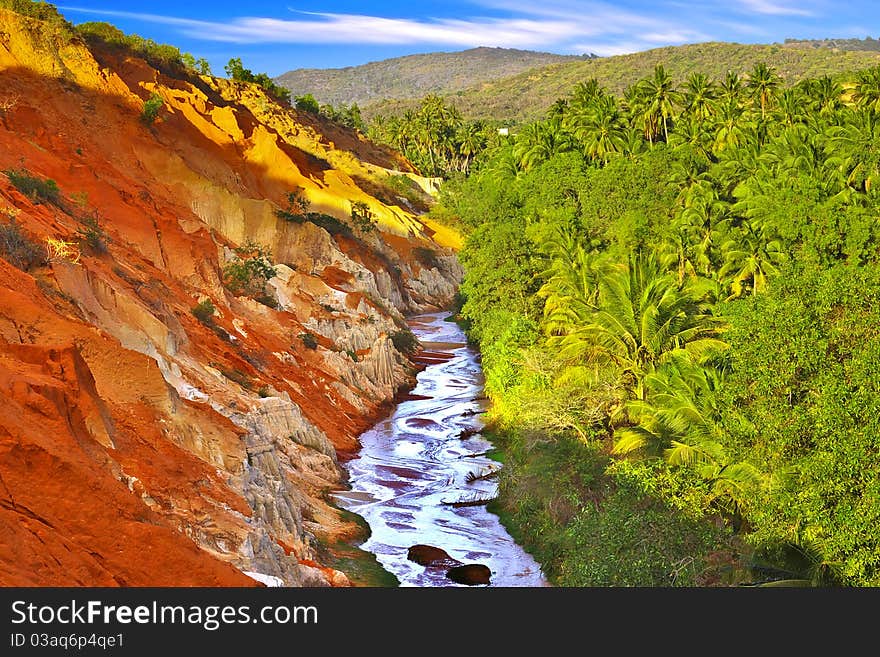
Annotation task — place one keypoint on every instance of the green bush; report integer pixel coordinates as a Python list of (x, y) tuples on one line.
[(41, 11), (159, 55), (329, 223), (309, 340), (236, 70), (204, 312), (93, 236), (362, 216), (405, 341), (17, 249), (249, 271), (152, 106), (307, 103), (297, 208), (39, 190)]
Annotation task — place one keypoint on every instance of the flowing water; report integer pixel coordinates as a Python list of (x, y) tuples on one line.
[(413, 465)]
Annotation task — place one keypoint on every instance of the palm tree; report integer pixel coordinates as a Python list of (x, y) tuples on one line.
[(751, 256), (538, 142), (867, 91), (471, 140), (729, 130), (730, 87), (572, 280), (680, 421), (600, 130), (699, 98), (763, 83), (853, 150), (658, 99), (585, 94), (827, 95), (643, 317)]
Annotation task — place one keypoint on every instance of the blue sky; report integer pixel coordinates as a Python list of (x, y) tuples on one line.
[(274, 37)]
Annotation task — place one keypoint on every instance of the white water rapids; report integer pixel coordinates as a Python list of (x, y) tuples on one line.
[(414, 461)]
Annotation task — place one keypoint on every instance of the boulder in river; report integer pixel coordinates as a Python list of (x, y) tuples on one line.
[(428, 555), (471, 574)]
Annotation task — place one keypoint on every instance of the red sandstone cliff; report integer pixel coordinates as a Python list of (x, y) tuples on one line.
[(138, 445)]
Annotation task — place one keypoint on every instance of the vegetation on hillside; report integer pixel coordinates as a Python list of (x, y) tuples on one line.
[(676, 292), (434, 137), (413, 76), (528, 95), (236, 71)]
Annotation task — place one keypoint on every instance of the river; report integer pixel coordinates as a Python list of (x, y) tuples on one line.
[(413, 464)]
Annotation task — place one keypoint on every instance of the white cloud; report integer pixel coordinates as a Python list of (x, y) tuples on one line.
[(771, 8), (556, 24)]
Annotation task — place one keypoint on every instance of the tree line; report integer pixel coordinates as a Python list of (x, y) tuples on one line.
[(685, 280)]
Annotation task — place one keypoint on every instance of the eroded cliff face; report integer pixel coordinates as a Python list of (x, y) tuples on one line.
[(138, 444)]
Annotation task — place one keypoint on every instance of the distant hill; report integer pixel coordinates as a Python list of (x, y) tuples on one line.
[(415, 76), (528, 95), (868, 44)]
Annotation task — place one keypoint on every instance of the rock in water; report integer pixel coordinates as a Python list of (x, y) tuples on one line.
[(428, 555), (472, 574)]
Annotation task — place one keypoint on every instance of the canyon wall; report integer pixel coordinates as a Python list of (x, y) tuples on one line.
[(139, 444)]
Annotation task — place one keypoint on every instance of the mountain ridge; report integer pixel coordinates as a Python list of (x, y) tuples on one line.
[(413, 76), (528, 95)]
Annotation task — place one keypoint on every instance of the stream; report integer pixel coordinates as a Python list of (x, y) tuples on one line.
[(413, 465)]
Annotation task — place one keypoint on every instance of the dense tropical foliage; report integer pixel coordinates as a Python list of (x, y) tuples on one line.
[(677, 296)]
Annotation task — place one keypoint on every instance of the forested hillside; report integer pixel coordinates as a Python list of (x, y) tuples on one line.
[(527, 95), (677, 297), (414, 76)]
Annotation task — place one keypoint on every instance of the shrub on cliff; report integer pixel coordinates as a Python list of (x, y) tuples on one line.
[(405, 341), (309, 340), (17, 248), (91, 235), (362, 217), (152, 106), (249, 271), (236, 70), (204, 312), (297, 208), (307, 103), (39, 190), (159, 55)]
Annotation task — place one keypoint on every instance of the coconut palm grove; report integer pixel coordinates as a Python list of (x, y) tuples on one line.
[(676, 293)]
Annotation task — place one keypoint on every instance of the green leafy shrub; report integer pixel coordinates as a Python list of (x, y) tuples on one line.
[(362, 217), (329, 223), (249, 271), (297, 208), (93, 236), (204, 312), (236, 70), (39, 190), (405, 341), (307, 103), (41, 11), (159, 55), (309, 340), (18, 249), (152, 107), (236, 375)]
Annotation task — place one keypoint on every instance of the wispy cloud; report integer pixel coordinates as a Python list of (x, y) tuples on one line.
[(362, 29), (557, 24), (771, 8)]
